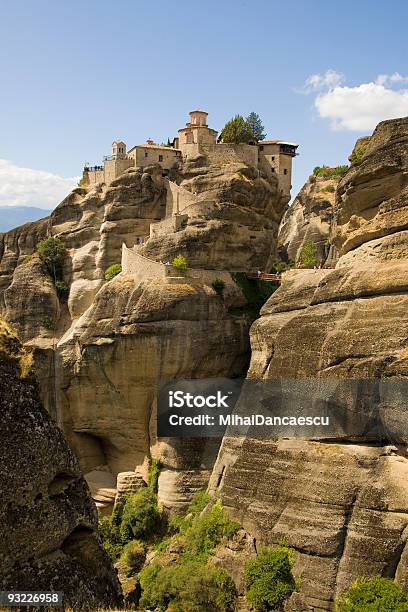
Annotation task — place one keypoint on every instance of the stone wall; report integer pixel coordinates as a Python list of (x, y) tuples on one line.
[(225, 153), (174, 193), (172, 224), (141, 267)]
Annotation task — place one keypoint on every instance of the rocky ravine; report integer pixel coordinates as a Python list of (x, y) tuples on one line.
[(342, 505), (48, 520), (99, 355)]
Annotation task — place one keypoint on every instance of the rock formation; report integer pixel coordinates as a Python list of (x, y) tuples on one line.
[(233, 218), (341, 504), (308, 218), (48, 520), (100, 352)]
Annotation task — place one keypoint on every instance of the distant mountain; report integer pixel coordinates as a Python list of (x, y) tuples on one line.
[(13, 216)]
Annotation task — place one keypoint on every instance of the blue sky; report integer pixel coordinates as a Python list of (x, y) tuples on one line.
[(77, 75)]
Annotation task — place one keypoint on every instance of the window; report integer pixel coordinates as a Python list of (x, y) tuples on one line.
[(160, 158), (273, 158), (146, 153), (273, 169), (261, 148), (285, 171)]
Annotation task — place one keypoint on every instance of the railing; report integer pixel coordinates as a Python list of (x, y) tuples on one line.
[(92, 168), (264, 276), (107, 157)]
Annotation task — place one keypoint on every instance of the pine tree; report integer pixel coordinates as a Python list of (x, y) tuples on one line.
[(256, 127)]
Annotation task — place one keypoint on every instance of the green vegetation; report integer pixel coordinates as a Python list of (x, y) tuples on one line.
[(48, 323), (308, 255), (357, 155), (153, 480), (281, 266), (140, 517), (329, 172), (62, 289), (256, 292), (269, 579), (218, 285), (191, 584), (112, 271), (52, 253), (373, 595), (237, 131), (328, 188), (186, 587), (255, 124), (134, 555), (27, 258), (180, 263)]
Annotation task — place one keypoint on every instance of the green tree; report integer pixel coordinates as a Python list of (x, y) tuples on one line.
[(376, 594), (269, 578), (52, 252), (255, 124), (237, 130), (308, 254)]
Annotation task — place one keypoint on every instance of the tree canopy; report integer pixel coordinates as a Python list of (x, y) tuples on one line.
[(255, 124), (237, 130)]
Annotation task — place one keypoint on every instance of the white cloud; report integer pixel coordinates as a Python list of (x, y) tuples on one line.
[(362, 107), (28, 187), (317, 82)]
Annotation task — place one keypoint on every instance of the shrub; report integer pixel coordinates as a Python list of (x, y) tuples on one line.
[(62, 289), (134, 555), (112, 271), (373, 595), (280, 266), (328, 188), (198, 502), (330, 172), (205, 531), (312, 178), (357, 155), (269, 579), (187, 587), (308, 254), (111, 538), (140, 516), (180, 263), (218, 285), (26, 259), (154, 471)]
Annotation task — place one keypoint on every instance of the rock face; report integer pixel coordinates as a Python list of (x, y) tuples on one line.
[(49, 523), (110, 363), (308, 218), (341, 504), (233, 218), (99, 353)]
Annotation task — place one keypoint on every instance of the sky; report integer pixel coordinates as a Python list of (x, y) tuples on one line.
[(74, 76)]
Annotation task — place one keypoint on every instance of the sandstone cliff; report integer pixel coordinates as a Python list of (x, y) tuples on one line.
[(233, 217), (48, 520), (100, 352), (341, 504), (308, 218)]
